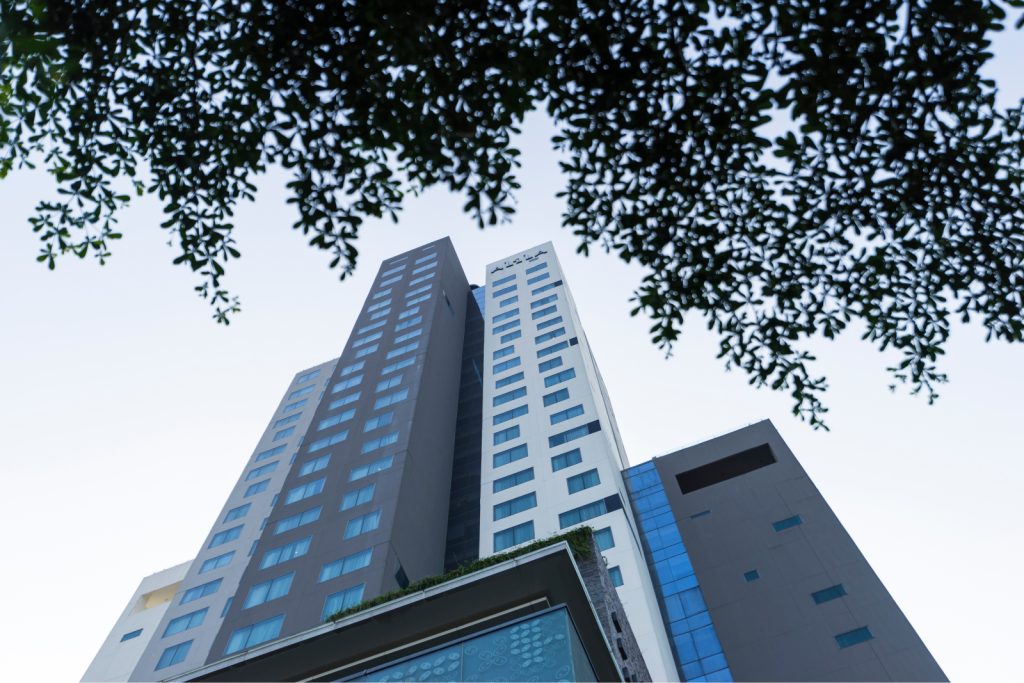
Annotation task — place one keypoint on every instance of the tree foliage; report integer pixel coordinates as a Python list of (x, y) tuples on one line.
[(783, 169)]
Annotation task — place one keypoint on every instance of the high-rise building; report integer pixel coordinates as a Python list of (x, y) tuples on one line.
[(414, 511)]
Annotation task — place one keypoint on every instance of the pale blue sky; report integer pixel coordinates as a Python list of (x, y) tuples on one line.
[(128, 413)]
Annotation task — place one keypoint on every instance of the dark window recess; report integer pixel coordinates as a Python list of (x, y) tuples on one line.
[(702, 513), (787, 523), (613, 503), (752, 575), (574, 341), (401, 578), (622, 651), (722, 470), (131, 634), (857, 635), (615, 622), (830, 593)]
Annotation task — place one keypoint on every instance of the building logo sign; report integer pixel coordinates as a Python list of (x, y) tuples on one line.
[(519, 259)]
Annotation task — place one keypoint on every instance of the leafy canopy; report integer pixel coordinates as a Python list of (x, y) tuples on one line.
[(891, 194)]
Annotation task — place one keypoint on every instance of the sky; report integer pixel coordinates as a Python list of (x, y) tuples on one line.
[(128, 413)]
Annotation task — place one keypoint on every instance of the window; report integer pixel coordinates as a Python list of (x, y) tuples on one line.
[(314, 465), (423, 269), (380, 314), (518, 411), (550, 364), (506, 365), (752, 575), (321, 444), (294, 406), (374, 467), (306, 376), (260, 471), (379, 442), (560, 462), (379, 306), (269, 590), (725, 468), (271, 452), (381, 294), (514, 536), (346, 565), (537, 278), (552, 349), (407, 312), (388, 383), (584, 480), (515, 506), (226, 536), (514, 479), (305, 491), (254, 634), (501, 353), (540, 266), (349, 369), (548, 336), (502, 292), (284, 434), (554, 397), (287, 420), (511, 455), (857, 635), (424, 259), (408, 335), (604, 538), (574, 433), (367, 351), (200, 591), (362, 524), (505, 381), (417, 300), (418, 290), (543, 300), (378, 421), (131, 634), (508, 302), (503, 280), (301, 392), (357, 497), (373, 326), (227, 606), (397, 365), (543, 312), (363, 341), (347, 384), (393, 271), (827, 594), (258, 487), (390, 399), (506, 327), (297, 520), (390, 281), (337, 602), (408, 323), (545, 288), (237, 513), (511, 336), (567, 414), (787, 523), (583, 513), (343, 416), (509, 396), (175, 654), (283, 553), (507, 315), (216, 562), (394, 353), (506, 435), (185, 622), (616, 575), (549, 323), (252, 548)]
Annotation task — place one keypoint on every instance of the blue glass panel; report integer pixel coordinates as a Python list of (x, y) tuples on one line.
[(706, 641)]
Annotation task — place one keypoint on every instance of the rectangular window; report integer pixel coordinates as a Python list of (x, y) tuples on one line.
[(372, 468), (287, 420), (552, 349), (573, 434), (505, 381), (543, 301), (288, 551), (787, 523), (379, 442), (226, 536), (378, 421), (725, 468), (363, 341), (506, 365), (567, 414), (506, 435), (559, 377), (407, 312), (343, 416), (510, 455), (393, 271), (540, 266), (397, 365), (514, 536), (381, 294), (175, 654), (390, 281), (408, 323), (367, 351), (237, 513), (543, 312), (349, 369), (507, 315), (616, 574), (227, 606), (394, 353), (502, 352), (589, 511), (604, 538), (548, 336), (346, 565), (408, 335), (388, 383), (216, 562), (271, 452), (857, 635), (373, 326), (258, 487), (362, 524), (502, 292), (423, 259), (827, 594), (555, 397), (251, 636), (261, 470), (380, 314), (390, 399), (131, 634), (508, 302), (568, 459), (515, 506), (550, 364), (423, 269), (545, 288), (584, 480), (379, 306), (418, 300), (503, 280), (419, 290), (506, 327), (185, 622), (551, 322), (338, 602), (314, 465), (301, 392), (283, 434), (306, 376), (511, 336), (269, 590), (200, 591), (321, 444), (357, 497), (752, 575), (297, 520), (518, 411), (305, 491), (509, 396), (514, 479), (347, 384), (294, 406), (537, 278)]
